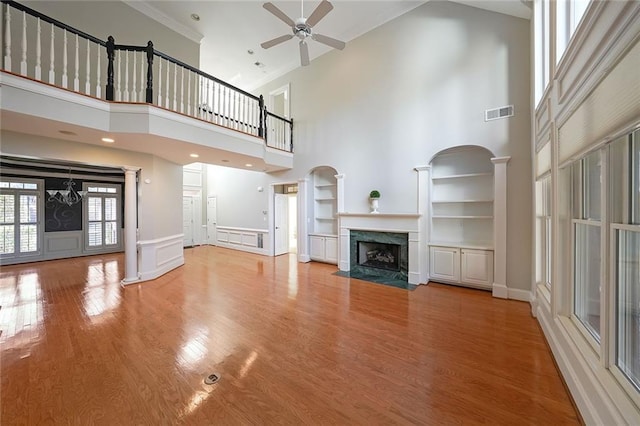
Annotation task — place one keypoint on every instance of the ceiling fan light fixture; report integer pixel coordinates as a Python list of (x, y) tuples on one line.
[(302, 29)]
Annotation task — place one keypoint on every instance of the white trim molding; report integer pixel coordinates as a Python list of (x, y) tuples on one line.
[(500, 226), (243, 239), (159, 256)]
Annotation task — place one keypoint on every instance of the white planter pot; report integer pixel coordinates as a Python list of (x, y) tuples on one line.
[(374, 205)]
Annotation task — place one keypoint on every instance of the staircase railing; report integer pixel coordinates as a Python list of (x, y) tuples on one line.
[(129, 76)]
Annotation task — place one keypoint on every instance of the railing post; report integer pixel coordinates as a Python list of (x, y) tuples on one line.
[(291, 135), (149, 95), (261, 126), (110, 58)]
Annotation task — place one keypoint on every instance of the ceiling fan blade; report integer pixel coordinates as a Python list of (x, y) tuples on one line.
[(304, 53), (279, 14), (323, 8), (276, 41), (336, 44)]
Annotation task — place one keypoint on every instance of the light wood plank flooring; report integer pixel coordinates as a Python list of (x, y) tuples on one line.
[(294, 344)]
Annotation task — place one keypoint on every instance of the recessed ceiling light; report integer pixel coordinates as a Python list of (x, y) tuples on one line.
[(249, 165), (250, 51), (259, 64), (195, 17), (108, 140), (194, 155), (67, 132)]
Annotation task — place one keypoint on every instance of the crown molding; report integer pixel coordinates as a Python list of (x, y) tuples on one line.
[(145, 8)]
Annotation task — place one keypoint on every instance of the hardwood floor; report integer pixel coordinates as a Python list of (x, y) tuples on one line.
[(293, 344)]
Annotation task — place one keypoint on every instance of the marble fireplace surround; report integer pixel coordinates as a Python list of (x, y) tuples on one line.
[(383, 222)]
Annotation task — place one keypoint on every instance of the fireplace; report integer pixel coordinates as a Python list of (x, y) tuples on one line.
[(384, 255), (379, 255)]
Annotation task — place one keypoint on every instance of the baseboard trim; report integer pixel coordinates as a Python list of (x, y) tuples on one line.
[(500, 290), (592, 387), (240, 247), (522, 295), (165, 267)]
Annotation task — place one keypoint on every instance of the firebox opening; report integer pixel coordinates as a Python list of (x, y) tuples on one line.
[(379, 255)]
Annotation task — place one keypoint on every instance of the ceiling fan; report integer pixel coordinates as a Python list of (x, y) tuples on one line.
[(302, 28)]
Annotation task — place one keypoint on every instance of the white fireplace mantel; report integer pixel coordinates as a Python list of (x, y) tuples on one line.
[(382, 222)]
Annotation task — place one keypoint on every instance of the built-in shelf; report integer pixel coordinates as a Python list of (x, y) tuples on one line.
[(474, 245), (461, 217), (460, 201), (325, 202), (317, 234), (466, 175)]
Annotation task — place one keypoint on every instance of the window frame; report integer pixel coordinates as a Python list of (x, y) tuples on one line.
[(38, 192), (581, 211), (103, 247)]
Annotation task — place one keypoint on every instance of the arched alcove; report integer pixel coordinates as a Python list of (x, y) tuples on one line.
[(322, 211), (461, 217)]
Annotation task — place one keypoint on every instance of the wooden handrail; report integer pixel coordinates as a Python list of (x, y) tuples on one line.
[(52, 21)]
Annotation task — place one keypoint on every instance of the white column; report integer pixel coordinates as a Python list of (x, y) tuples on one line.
[(424, 173), (340, 193), (130, 225), (303, 225), (500, 227)]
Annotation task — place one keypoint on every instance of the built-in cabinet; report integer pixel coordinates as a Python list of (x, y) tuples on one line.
[(462, 217), (323, 248), (458, 265), (323, 235)]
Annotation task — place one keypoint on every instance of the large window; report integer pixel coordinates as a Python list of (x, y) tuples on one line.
[(103, 216), (625, 228), (568, 16), (542, 36), (587, 243), (20, 213), (543, 229)]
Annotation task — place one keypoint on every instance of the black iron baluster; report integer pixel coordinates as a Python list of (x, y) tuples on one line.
[(291, 135), (110, 57), (261, 131), (149, 72)]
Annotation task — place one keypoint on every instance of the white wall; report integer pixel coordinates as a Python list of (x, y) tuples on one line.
[(128, 26), (159, 214), (405, 91), (240, 204)]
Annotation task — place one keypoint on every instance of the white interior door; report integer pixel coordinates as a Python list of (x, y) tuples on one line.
[(212, 219), (281, 228), (187, 221)]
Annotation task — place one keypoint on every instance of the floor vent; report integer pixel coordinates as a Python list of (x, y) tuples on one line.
[(212, 379), (497, 113)]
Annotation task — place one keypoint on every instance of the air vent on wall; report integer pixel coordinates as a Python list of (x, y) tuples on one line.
[(496, 113)]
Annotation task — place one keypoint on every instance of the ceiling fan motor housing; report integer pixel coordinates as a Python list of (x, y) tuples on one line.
[(301, 29)]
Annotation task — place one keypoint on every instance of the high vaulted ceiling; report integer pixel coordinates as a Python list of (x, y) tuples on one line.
[(227, 30)]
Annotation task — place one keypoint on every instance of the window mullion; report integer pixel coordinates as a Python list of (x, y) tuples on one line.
[(607, 293)]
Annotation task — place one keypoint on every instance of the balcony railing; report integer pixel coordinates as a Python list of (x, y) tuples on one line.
[(74, 60)]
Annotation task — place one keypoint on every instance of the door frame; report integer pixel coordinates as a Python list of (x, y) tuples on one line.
[(196, 196), (213, 241), (287, 104), (271, 220)]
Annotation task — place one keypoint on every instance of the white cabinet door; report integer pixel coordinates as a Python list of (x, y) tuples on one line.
[(331, 250), (445, 263), (316, 247), (477, 267)]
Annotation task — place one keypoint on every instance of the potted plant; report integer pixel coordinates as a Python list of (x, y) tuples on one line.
[(374, 196)]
